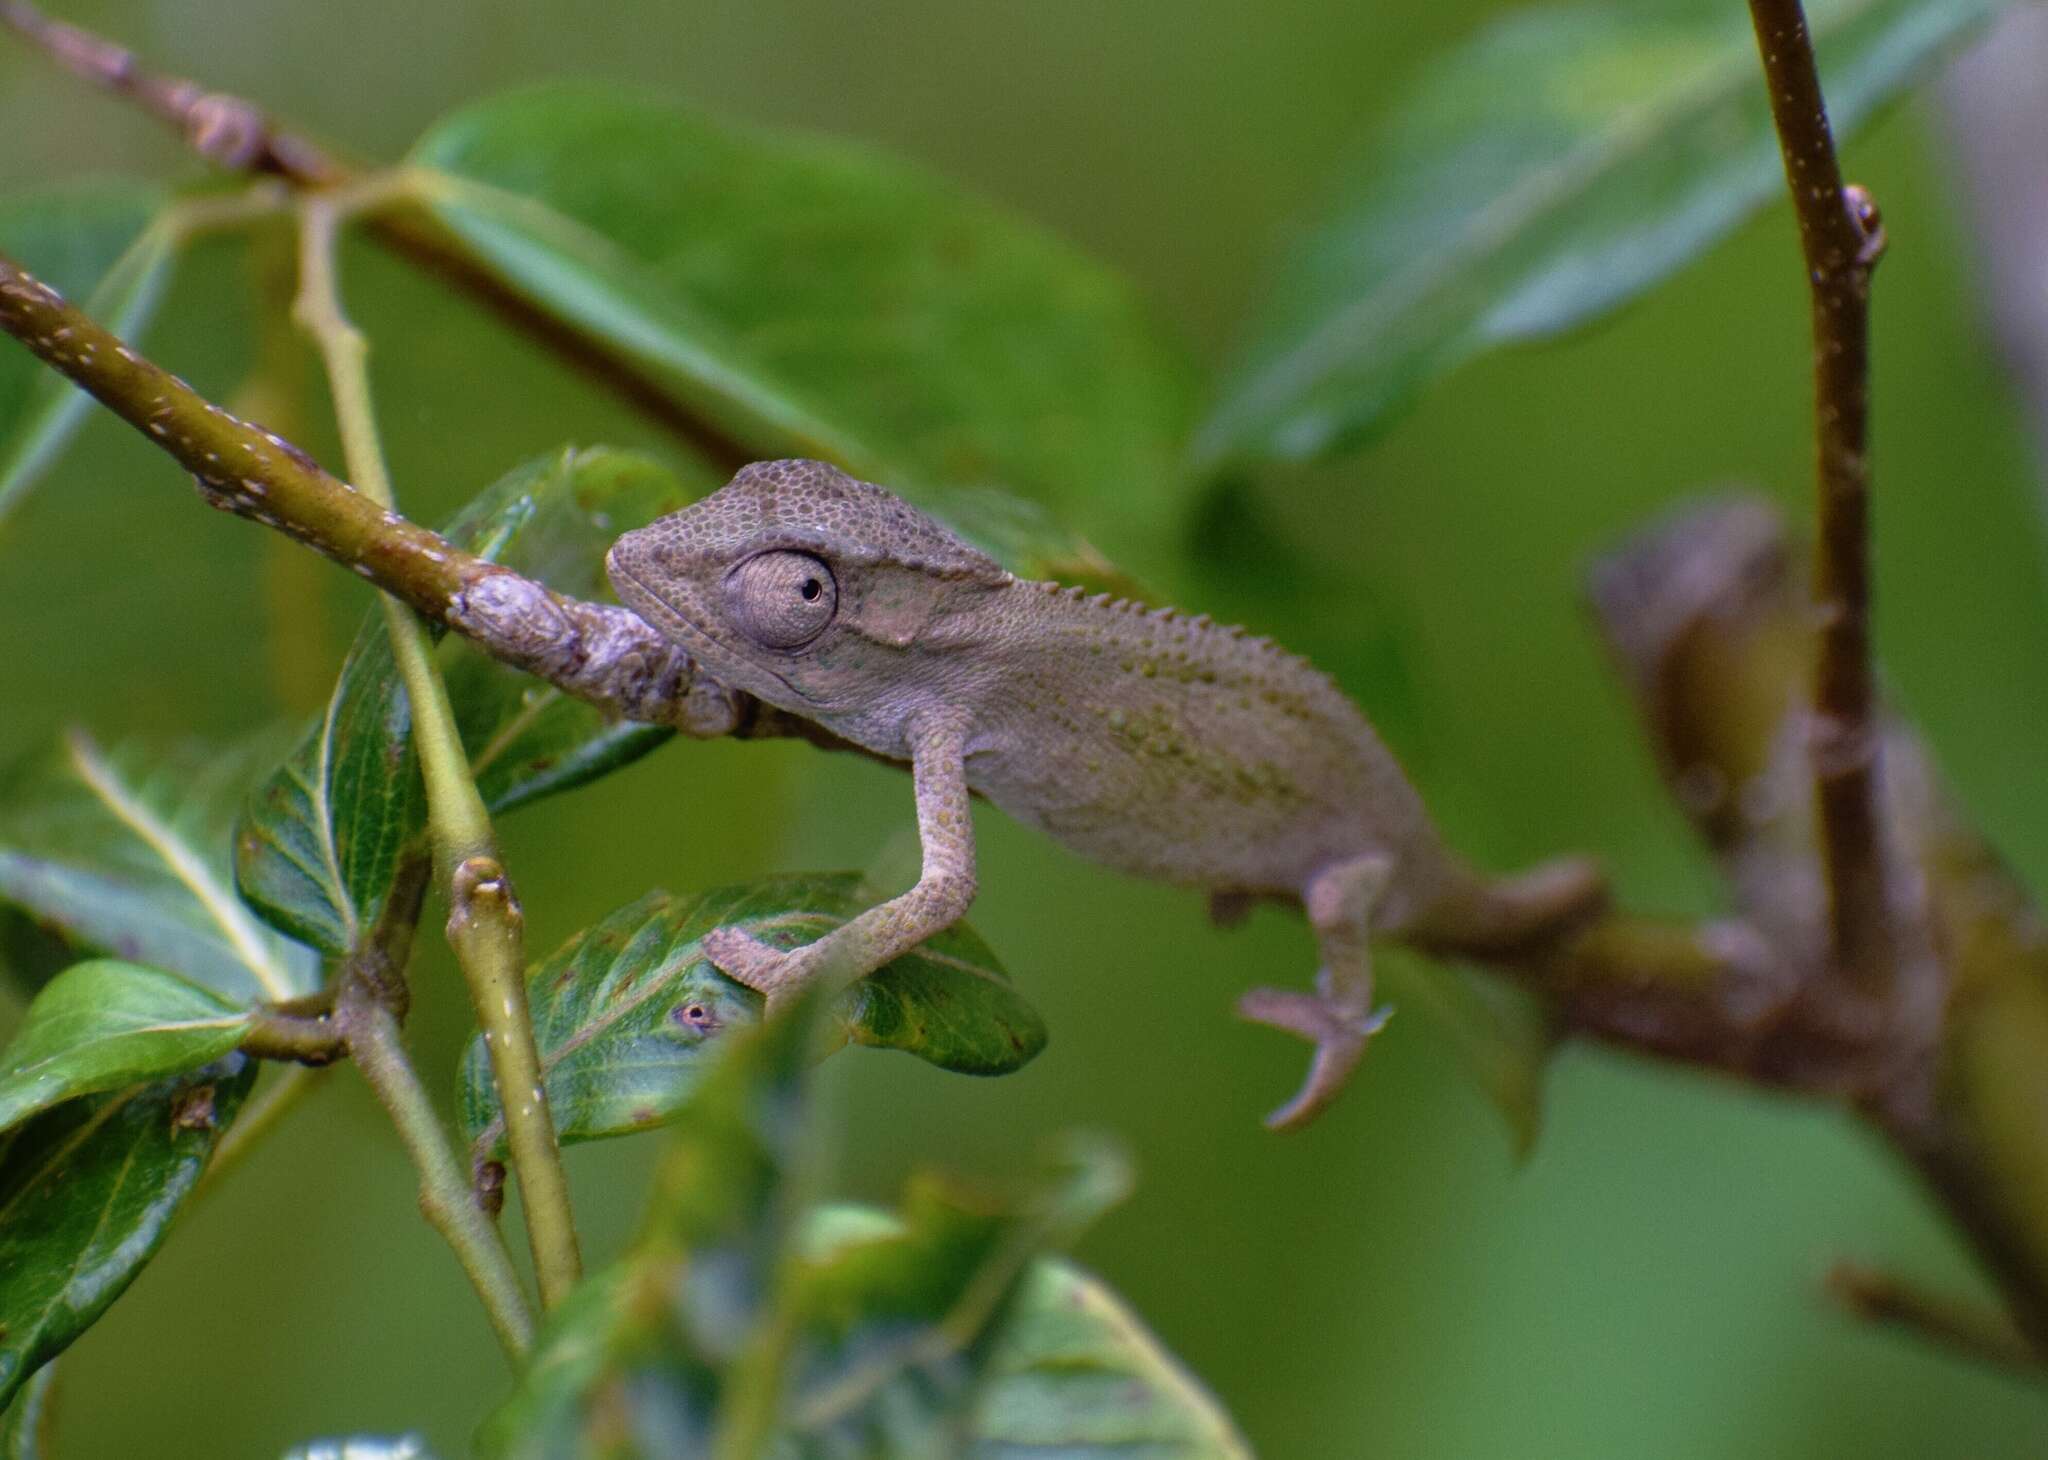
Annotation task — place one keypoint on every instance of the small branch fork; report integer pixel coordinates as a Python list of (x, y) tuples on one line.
[(1841, 237)]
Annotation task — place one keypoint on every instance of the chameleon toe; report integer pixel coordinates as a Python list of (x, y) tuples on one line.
[(1339, 1034)]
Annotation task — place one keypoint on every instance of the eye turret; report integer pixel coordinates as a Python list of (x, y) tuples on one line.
[(782, 600)]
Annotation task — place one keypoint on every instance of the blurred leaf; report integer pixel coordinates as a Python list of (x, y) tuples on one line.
[(26, 1433), (894, 1335), (87, 1193), (626, 1012), (105, 1025), (1545, 173), (1077, 1375), (30, 953), (93, 243), (129, 855), (820, 298), (649, 1337), (1503, 1035), (363, 1447), (319, 842), (864, 1336)]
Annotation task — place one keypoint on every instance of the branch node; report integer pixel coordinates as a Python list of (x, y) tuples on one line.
[(1869, 223)]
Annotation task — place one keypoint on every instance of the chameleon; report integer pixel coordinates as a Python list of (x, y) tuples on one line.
[(1164, 745)]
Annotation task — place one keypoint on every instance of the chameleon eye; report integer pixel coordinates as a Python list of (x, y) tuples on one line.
[(782, 600)]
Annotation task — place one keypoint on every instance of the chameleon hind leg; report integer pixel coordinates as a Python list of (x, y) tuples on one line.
[(1338, 1018)]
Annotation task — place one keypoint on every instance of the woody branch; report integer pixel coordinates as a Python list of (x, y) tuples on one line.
[(1841, 239)]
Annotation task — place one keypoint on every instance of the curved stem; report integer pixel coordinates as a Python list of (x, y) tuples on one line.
[(485, 927), (374, 1046)]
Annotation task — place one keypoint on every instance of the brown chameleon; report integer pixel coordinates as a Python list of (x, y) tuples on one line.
[(1167, 746)]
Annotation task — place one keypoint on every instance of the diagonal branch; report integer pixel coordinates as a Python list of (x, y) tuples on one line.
[(1841, 237), (224, 129), (594, 651)]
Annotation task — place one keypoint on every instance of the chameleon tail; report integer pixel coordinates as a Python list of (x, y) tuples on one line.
[(1485, 916)]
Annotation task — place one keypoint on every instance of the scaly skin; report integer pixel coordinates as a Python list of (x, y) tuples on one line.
[(1163, 745)]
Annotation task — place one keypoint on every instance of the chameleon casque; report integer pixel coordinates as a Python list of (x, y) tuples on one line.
[(1163, 745)]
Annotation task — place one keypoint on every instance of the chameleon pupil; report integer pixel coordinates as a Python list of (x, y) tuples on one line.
[(812, 588)]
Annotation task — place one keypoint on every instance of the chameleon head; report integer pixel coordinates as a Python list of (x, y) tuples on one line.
[(802, 586)]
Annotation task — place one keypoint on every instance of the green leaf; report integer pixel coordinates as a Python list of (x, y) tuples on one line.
[(820, 298), (362, 1447), (26, 1433), (662, 1324), (894, 1335), (1073, 1372), (319, 843), (1077, 1375), (863, 1335), (93, 243), (105, 1025), (1542, 175), (128, 854), (627, 1012), (88, 1191), (317, 846)]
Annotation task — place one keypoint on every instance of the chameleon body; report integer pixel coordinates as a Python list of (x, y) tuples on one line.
[(1160, 744)]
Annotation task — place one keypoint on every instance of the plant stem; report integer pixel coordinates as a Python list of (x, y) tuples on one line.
[(374, 1046), (1841, 238), (595, 651), (484, 926), (291, 1037)]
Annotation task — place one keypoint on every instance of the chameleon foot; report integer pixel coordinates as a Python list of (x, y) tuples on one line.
[(1338, 1032), (768, 971)]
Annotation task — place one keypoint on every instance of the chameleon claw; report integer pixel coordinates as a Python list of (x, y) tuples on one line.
[(1338, 1033)]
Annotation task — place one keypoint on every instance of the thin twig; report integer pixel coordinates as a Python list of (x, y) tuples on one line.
[(224, 129), (376, 1049), (485, 927), (233, 132), (596, 652), (293, 1038), (1973, 1330), (1841, 238)]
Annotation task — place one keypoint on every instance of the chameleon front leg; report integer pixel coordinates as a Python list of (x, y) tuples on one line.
[(945, 887), (1338, 1018)]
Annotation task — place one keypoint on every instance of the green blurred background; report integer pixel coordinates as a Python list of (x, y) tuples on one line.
[(1390, 1283)]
